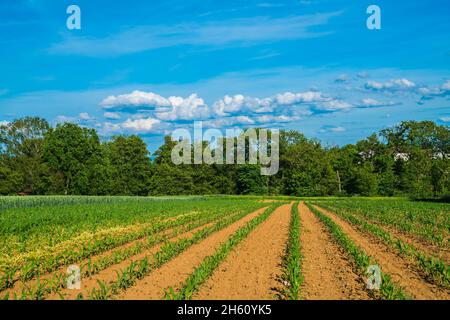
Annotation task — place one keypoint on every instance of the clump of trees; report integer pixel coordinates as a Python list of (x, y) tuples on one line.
[(412, 158)]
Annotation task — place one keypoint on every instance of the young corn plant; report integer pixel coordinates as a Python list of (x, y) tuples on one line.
[(292, 277), (210, 263), (388, 290)]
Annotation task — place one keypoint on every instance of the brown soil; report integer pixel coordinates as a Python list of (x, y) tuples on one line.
[(174, 272), (399, 269), (109, 274), (252, 271), (328, 275), (426, 247), (19, 285)]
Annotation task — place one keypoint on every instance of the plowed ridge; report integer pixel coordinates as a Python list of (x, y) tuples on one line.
[(253, 270), (327, 273), (399, 269), (175, 272)]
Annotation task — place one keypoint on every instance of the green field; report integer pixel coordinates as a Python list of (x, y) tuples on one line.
[(41, 236)]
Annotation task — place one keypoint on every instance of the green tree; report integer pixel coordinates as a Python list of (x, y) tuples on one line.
[(21, 146), (130, 166), (73, 156)]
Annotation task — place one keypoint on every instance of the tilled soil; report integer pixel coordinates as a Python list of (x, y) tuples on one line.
[(328, 275), (110, 273), (253, 269), (176, 271), (398, 268)]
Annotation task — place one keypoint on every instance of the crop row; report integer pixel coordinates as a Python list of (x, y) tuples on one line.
[(210, 263), (57, 281), (292, 260), (139, 269), (436, 271), (428, 220), (24, 230), (388, 289)]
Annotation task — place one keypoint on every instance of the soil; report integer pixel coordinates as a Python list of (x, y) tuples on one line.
[(328, 275), (176, 271), (252, 271), (398, 268)]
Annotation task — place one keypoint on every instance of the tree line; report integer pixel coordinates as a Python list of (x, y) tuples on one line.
[(412, 158)]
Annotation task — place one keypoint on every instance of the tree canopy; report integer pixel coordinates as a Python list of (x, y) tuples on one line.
[(411, 158)]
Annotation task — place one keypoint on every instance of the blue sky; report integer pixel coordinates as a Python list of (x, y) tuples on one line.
[(149, 67)]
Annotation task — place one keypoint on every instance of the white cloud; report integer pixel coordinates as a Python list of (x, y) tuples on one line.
[(140, 125), (445, 119), (446, 86), (343, 78), (373, 103), (112, 115), (276, 119), (135, 99), (189, 108), (327, 129), (84, 116), (238, 104), (392, 85)]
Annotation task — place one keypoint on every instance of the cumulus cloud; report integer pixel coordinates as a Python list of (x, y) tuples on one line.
[(148, 111), (392, 85), (84, 116), (445, 119), (189, 108), (169, 109), (140, 125), (112, 115), (135, 99), (373, 103)]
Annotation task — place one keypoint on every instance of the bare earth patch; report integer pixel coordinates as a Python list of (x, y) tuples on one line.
[(399, 269), (327, 273), (253, 269), (176, 271)]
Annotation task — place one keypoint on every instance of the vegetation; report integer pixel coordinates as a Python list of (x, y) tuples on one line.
[(388, 289), (209, 264), (411, 158), (40, 239), (436, 270), (292, 259), (428, 220)]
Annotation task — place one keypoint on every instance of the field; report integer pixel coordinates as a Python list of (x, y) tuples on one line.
[(223, 247)]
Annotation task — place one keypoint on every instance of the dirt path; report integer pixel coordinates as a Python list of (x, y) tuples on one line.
[(173, 273), (253, 268), (399, 269), (327, 273)]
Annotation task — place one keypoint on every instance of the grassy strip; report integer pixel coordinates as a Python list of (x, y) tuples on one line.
[(292, 260), (388, 290), (138, 270), (58, 281), (209, 264), (436, 271)]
